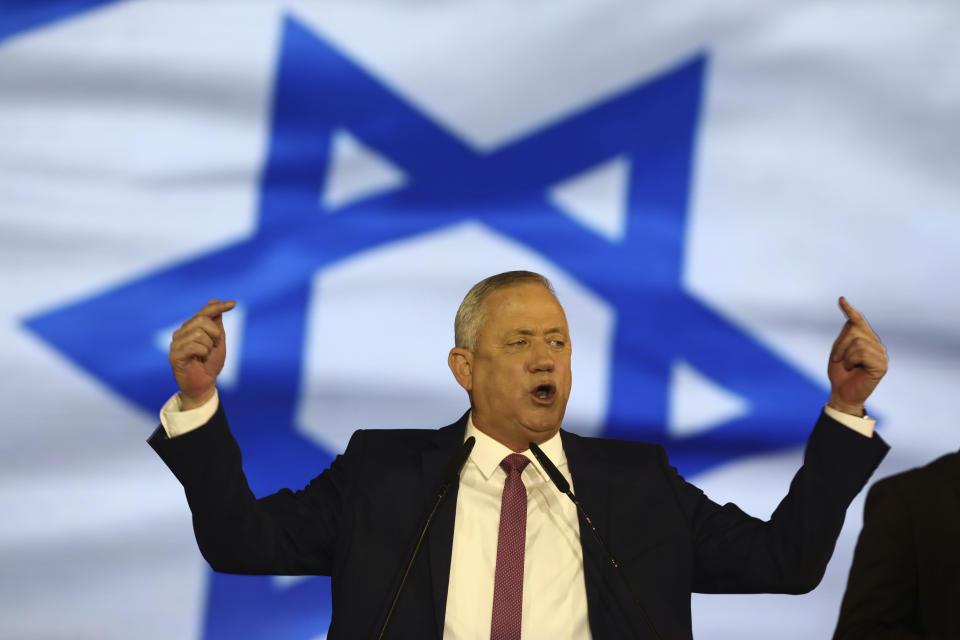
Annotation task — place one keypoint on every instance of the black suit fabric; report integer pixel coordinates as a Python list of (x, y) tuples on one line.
[(905, 577), (357, 522)]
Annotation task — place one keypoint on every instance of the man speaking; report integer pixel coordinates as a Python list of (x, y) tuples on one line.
[(507, 555)]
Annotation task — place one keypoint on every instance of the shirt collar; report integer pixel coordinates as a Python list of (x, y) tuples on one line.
[(487, 452)]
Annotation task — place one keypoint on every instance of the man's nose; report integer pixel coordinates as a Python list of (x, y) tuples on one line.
[(541, 358)]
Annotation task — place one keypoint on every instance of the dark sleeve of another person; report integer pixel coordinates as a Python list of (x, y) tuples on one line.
[(881, 597)]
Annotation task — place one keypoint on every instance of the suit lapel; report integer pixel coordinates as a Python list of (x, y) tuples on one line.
[(440, 537)]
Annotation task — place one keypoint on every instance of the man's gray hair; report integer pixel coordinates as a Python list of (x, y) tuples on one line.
[(470, 315)]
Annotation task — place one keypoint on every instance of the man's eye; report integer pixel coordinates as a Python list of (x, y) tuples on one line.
[(557, 343), (518, 343)]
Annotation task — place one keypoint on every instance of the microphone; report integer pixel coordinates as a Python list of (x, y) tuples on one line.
[(450, 474), (564, 487)]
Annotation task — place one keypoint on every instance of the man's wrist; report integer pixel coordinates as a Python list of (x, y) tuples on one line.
[(194, 402), (861, 424), (855, 410), (176, 420)]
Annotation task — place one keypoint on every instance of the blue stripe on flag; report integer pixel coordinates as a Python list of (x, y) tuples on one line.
[(17, 16)]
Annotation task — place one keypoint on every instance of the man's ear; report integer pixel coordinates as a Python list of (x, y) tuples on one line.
[(460, 361)]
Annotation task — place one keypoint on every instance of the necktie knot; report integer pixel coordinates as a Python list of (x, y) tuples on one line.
[(514, 462)]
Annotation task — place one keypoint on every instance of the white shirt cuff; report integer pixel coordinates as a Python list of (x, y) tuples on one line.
[(177, 422), (864, 426)]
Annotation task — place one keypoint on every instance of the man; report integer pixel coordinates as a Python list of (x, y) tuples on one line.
[(905, 578), (507, 555)]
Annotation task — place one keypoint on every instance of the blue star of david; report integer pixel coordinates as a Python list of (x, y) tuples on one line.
[(319, 91)]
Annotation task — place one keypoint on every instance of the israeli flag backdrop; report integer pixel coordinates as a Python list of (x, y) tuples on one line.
[(700, 180)]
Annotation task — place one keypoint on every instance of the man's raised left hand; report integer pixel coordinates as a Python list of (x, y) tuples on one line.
[(858, 361)]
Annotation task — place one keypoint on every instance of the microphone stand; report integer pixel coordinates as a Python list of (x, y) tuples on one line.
[(451, 473), (564, 487)]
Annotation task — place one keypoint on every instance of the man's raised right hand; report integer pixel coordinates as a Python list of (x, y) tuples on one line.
[(197, 353)]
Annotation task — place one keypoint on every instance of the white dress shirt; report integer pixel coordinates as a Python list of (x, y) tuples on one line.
[(554, 594)]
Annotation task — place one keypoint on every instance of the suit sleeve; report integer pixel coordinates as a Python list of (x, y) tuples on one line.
[(737, 553), (881, 597), (289, 532)]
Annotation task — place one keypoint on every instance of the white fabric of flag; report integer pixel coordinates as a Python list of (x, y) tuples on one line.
[(742, 165)]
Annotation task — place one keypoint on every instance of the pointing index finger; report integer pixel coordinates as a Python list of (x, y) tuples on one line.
[(855, 317), (214, 308), (846, 307)]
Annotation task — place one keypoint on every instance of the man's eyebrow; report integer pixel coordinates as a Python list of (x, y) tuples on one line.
[(530, 332)]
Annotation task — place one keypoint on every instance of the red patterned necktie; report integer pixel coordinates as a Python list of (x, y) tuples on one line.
[(508, 580)]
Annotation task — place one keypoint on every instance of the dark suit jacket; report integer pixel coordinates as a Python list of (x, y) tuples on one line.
[(905, 577), (357, 521)]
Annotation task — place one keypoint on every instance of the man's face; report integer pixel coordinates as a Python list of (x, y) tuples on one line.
[(519, 375)]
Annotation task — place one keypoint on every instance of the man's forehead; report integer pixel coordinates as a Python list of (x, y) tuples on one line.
[(524, 299), (533, 310)]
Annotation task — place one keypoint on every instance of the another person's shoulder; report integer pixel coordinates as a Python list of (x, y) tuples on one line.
[(948, 465), (915, 483), (944, 465)]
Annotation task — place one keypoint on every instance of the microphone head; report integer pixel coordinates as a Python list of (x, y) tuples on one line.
[(551, 469), (458, 460)]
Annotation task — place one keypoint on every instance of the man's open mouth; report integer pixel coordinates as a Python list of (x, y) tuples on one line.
[(544, 393)]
